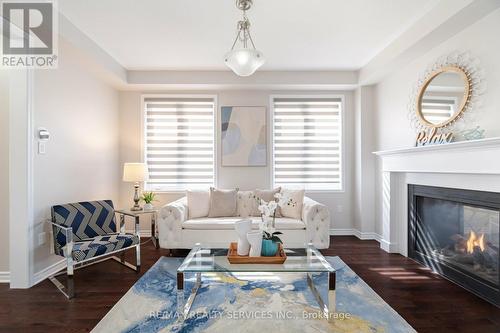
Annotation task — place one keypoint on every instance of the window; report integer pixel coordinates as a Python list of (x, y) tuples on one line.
[(307, 142), (179, 142)]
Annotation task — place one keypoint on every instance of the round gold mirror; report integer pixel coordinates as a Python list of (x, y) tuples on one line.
[(443, 97)]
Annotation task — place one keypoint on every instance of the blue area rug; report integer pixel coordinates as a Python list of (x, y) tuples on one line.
[(250, 302)]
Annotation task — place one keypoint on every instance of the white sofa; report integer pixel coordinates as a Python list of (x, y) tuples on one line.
[(176, 231)]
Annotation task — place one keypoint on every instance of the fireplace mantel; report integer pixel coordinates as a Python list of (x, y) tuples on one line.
[(460, 145), (473, 165), (476, 156)]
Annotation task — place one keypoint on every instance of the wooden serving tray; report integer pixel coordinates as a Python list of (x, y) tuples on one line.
[(234, 258)]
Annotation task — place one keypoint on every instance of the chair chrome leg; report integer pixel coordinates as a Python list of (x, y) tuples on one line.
[(69, 289), (124, 263), (122, 257), (138, 257), (70, 283)]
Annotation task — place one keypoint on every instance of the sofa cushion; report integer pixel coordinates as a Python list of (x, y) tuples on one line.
[(246, 204), (222, 202), (293, 211), (227, 223), (99, 245), (266, 195), (198, 203)]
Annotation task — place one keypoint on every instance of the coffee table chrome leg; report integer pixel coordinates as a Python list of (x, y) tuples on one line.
[(184, 308), (316, 294), (330, 309), (180, 293), (332, 302)]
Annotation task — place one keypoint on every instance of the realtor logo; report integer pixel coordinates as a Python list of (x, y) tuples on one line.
[(28, 34)]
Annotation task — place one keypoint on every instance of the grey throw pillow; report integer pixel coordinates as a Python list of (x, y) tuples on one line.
[(222, 203)]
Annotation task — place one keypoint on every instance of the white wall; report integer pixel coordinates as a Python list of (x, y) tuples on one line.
[(4, 171), (392, 94), (364, 165), (81, 161), (241, 177)]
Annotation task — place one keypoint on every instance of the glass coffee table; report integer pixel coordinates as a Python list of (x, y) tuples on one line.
[(209, 260)]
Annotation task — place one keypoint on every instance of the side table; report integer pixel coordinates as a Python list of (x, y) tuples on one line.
[(136, 214)]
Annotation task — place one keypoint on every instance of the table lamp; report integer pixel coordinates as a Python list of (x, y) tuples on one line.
[(135, 173)]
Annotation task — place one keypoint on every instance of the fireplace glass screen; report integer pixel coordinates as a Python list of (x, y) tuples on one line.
[(462, 236)]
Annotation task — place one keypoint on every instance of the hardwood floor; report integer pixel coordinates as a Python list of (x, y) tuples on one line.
[(428, 302)]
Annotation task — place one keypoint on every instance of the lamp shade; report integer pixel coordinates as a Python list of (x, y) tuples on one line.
[(244, 62), (135, 172)]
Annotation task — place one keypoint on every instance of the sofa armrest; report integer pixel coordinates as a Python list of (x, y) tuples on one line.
[(317, 220), (170, 221)]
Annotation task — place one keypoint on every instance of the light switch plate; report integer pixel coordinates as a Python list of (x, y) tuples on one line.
[(42, 238), (41, 148)]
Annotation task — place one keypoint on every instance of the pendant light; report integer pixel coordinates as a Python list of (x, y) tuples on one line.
[(244, 59)]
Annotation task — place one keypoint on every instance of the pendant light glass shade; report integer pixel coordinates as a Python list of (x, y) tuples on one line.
[(244, 62)]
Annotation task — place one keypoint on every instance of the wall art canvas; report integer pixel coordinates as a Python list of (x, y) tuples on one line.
[(244, 131)]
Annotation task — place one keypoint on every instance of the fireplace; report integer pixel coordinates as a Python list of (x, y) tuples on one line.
[(456, 233)]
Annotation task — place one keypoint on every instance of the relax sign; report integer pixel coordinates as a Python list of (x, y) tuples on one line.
[(431, 137)]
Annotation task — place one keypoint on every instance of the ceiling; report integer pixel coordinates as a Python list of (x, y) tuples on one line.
[(195, 34)]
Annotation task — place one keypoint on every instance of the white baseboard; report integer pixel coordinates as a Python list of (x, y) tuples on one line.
[(357, 233), (389, 247), (48, 271), (4, 277), (370, 235), (385, 245), (342, 232)]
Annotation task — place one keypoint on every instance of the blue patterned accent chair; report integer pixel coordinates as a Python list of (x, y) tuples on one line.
[(86, 233)]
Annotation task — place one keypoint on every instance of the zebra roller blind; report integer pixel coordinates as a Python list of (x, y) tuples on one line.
[(436, 109), (307, 141), (179, 142)]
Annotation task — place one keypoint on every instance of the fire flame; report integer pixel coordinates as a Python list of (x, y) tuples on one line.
[(474, 240)]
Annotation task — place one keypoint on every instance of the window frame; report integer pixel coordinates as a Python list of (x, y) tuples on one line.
[(342, 98), (143, 132)]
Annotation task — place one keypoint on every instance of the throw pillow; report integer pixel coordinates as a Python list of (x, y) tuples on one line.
[(293, 211), (245, 203), (222, 203), (198, 203), (266, 195)]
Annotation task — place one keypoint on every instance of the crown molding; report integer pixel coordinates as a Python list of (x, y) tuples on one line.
[(262, 79)]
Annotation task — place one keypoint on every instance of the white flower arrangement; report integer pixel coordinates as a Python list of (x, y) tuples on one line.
[(268, 210)]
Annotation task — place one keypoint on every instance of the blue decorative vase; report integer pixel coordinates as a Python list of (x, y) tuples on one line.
[(269, 248)]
